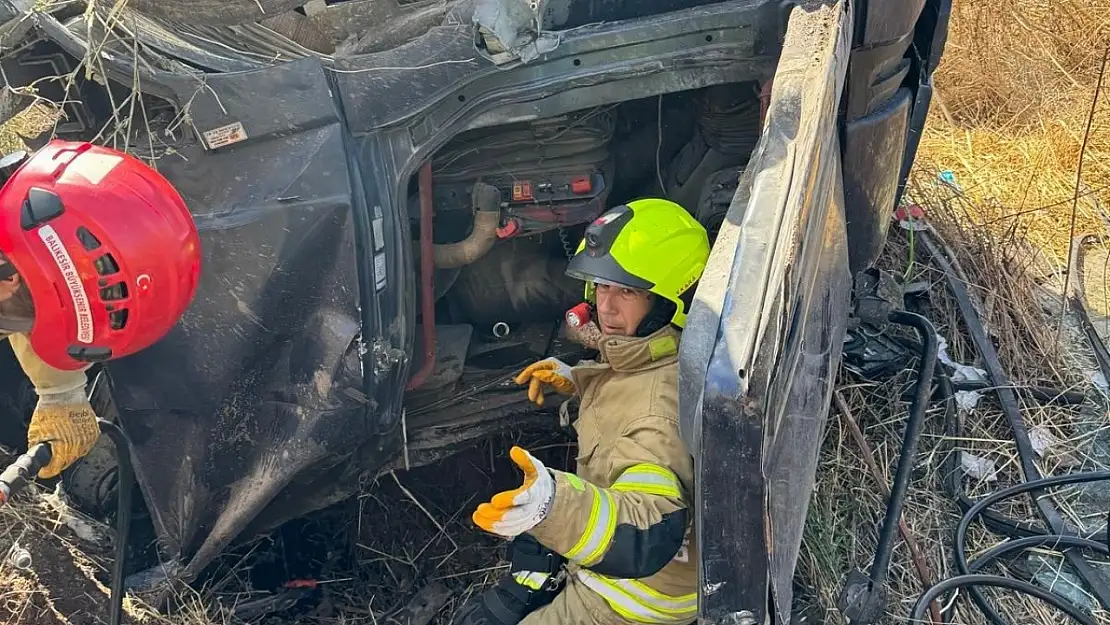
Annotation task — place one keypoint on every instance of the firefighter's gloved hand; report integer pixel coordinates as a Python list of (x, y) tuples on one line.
[(550, 372), (66, 421), (511, 513)]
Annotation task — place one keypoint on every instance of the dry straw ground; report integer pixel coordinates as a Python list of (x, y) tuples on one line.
[(1015, 89), (1014, 112), (1012, 117)]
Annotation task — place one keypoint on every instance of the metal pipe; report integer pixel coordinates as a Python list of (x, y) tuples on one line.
[(486, 203), (427, 277)]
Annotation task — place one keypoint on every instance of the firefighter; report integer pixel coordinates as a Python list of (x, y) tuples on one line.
[(612, 543), (99, 258)]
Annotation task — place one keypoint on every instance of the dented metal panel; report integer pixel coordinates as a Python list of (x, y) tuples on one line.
[(214, 11), (763, 340), (259, 391)]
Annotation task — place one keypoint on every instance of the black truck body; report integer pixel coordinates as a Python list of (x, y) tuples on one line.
[(287, 381)]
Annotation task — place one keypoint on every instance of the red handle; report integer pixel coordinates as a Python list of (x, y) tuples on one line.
[(579, 315)]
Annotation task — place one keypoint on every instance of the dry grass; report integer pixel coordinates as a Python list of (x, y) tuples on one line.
[(28, 123), (69, 557), (1021, 314), (1015, 89)]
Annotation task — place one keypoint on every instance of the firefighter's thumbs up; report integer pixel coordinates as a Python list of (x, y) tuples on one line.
[(550, 372), (513, 512)]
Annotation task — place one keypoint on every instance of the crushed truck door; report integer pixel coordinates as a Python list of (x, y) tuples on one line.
[(763, 341)]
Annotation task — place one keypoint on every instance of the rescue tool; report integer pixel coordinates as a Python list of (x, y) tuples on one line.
[(20, 473)]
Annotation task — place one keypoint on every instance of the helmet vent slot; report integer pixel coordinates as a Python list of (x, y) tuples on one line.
[(87, 239), (118, 319), (106, 265), (113, 293)]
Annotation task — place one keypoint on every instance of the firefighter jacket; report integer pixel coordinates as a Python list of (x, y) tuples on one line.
[(624, 520), (46, 379)]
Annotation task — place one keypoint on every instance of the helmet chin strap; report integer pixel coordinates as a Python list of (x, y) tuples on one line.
[(660, 315)]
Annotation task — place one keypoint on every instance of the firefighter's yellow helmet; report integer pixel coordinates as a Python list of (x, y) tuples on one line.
[(651, 244)]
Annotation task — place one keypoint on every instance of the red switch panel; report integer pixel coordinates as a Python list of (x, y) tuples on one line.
[(522, 191)]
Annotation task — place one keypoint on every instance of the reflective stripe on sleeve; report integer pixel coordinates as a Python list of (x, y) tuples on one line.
[(599, 528), (651, 479), (639, 602)]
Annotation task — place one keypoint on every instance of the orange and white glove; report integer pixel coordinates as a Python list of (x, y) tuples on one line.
[(513, 512), (550, 372)]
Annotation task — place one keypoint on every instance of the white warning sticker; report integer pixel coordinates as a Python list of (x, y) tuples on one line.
[(379, 230), (73, 282), (225, 135), (379, 271), (94, 167)]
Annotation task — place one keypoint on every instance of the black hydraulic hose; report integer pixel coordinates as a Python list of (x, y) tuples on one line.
[(1025, 487), (1008, 400), (971, 581), (897, 498), (1017, 489), (1023, 535), (17, 475), (1053, 542), (124, 485), (1040, 393)]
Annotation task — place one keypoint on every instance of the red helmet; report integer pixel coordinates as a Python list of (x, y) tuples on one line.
[(105, 246)]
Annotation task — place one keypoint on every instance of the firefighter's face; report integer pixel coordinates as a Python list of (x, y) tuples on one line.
[(17, 311), (621, 309), (8, 287)]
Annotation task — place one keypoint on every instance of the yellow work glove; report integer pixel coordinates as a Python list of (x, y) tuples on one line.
[(63, 417), (513, 512), (66, 421), (550, 372)]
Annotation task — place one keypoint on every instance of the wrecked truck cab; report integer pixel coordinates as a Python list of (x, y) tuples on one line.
[(360, 311)]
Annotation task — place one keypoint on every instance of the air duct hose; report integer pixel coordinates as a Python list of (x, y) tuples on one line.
[(486, 202)]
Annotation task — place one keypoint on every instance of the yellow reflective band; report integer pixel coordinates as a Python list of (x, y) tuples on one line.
[(532, 580), (639, 602), (593, 556), (575, 481), (651, 479), (599, 529)]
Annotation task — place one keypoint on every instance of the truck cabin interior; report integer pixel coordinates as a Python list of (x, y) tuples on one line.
[(498, 285)]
